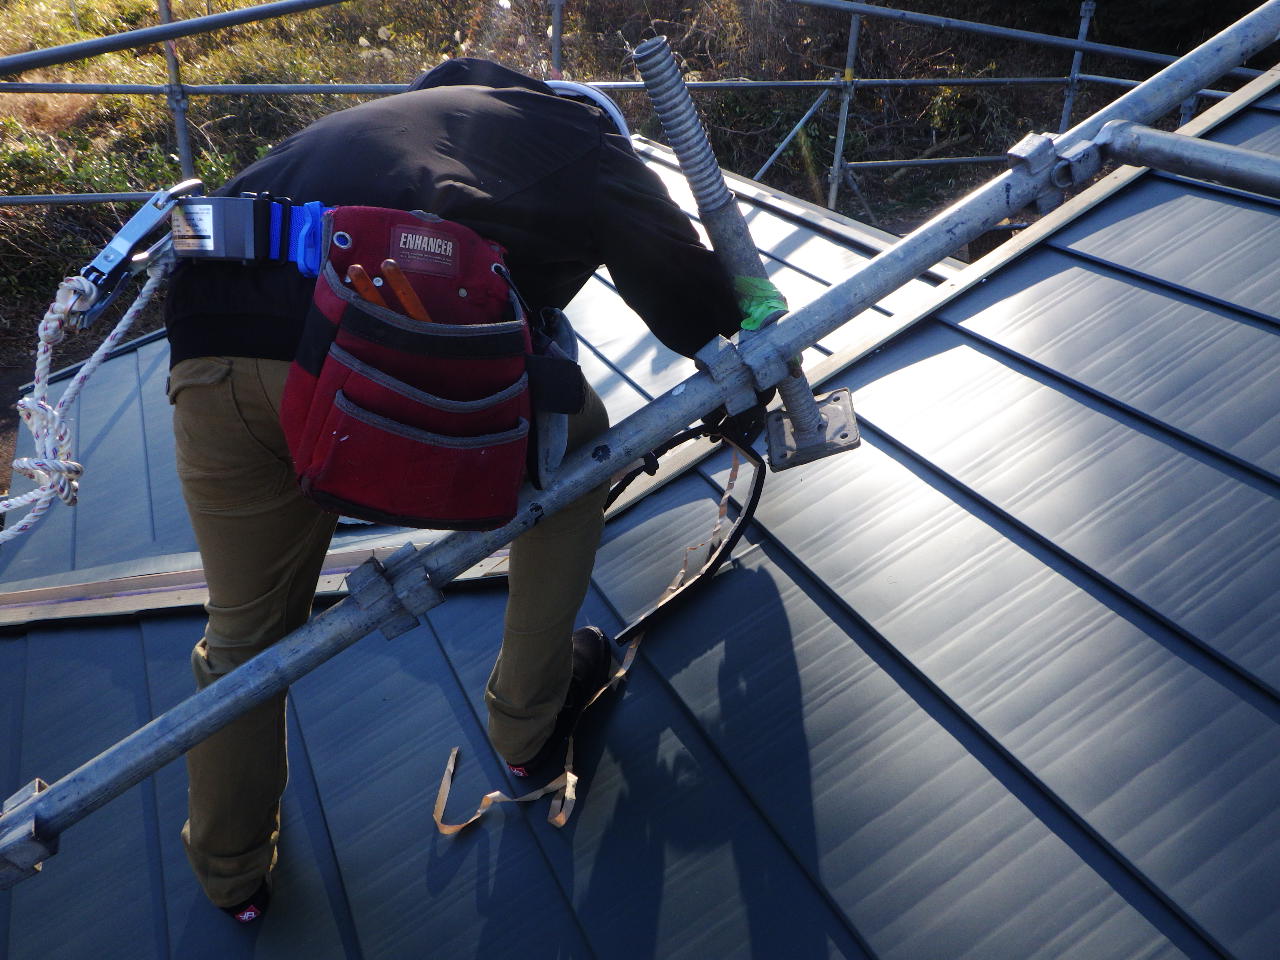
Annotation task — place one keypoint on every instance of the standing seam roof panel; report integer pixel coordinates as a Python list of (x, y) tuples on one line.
[(1046, 703), (886, 808), (1216, 244), (1105, 491), (1201, 370)]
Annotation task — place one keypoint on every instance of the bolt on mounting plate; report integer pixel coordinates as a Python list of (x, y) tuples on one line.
[(839, 431)]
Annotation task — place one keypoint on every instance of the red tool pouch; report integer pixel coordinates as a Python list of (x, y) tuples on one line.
[(404, 421)]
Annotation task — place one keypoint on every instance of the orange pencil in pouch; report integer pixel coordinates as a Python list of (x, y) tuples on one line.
[(401, 287), (363, 285)]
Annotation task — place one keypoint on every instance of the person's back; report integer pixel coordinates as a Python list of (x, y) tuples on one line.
[(499, 152)]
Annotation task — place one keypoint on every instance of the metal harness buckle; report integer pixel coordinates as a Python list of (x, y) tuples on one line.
[(117, 262)]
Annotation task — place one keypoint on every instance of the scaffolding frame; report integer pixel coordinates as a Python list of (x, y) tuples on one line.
[(841, 173)]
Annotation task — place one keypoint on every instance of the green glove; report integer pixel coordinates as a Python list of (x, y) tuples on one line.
[(758, 299)]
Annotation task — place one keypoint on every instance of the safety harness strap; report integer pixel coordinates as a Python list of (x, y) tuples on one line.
[(563, 789), (255, 227)]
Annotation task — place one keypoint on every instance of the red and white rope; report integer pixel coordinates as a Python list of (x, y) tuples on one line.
[(55, 473)]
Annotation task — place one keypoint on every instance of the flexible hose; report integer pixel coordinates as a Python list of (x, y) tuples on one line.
[(680, 122)]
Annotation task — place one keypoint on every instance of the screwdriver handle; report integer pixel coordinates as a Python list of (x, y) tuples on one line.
[(363, 285), (401, 287)]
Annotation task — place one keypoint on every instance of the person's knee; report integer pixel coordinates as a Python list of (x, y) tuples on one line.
[(211, 661), (236, 634)]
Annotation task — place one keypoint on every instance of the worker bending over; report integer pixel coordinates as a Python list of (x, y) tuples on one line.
[(553, 181)]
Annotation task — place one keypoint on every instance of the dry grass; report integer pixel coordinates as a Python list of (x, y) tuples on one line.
[(47, 112)]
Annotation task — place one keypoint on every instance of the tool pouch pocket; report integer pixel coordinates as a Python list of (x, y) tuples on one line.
[(405, 421)]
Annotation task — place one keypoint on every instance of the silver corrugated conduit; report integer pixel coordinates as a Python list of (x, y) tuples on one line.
[(680, 122), (799, 434)]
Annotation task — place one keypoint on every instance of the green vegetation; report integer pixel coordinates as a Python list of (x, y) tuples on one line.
[(73, 143)]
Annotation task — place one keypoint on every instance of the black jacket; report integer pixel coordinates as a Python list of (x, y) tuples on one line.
[(499, 152)]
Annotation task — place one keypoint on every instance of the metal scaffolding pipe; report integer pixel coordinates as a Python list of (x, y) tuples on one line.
[(18, 62), (921, 162), (898, 82), (121, 88), (840, 84), (725, 84), (836, 173), (786, 141), (1239, 167), (1010, 191), (219, 89), (1087, 8), (224, 89), (1122, 82), (557, 34), (1005, 33), (67, 199), (30, 825), (177, 98)]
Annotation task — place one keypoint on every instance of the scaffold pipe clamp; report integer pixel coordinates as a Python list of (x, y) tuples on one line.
[(371, 588), (22, 849), (722, 362)]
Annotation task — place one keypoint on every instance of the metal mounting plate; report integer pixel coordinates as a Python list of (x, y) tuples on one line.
[(839, 432)]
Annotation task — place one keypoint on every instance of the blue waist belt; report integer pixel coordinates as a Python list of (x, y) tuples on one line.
[(250, 227)]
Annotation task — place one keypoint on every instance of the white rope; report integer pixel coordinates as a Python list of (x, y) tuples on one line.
[(55, 473)]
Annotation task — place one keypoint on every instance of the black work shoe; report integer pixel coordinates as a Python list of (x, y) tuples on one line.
[(592, 666), (253, 908)]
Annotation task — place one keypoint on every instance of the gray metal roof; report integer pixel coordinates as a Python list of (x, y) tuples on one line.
[(1002, 683)]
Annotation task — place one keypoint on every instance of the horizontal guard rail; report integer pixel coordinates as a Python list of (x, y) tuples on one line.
[(67, 52), (411, 582), (1007, 33)]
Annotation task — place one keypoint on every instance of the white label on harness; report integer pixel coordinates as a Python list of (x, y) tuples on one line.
[(192, 226)]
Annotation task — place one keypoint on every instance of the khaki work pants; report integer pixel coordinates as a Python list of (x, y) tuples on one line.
[(263, 545)]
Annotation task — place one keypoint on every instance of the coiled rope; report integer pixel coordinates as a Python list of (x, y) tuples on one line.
[(57, 476)]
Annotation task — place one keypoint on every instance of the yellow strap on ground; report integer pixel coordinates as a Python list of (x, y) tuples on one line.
[(563, 789), (714, 538), (565, 783)]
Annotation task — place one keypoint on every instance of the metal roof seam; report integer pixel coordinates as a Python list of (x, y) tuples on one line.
[(1210, 186), (521, 809), (1102, 401), (151, 812), (618, 372), (1107, 401), (1010, 771), (745, 549), (1227, 672), (144, 469), (1266, 319), (343, 915)]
